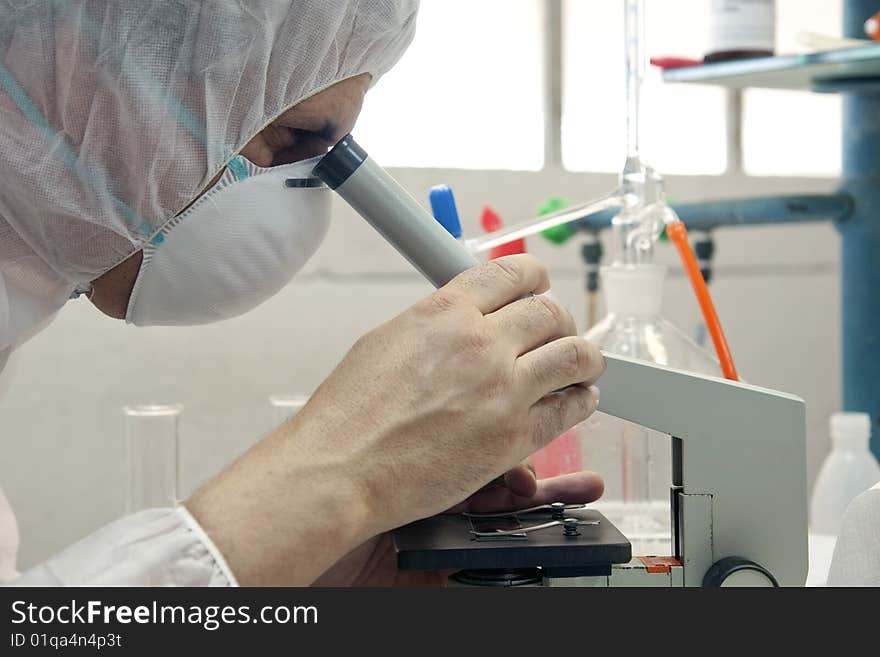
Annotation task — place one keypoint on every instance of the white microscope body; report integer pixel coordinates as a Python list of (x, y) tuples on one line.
[(739, 495)]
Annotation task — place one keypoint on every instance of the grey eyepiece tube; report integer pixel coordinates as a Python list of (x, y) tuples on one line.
[(392, 211)]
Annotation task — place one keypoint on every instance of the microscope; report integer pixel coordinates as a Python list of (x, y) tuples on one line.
[(739, 491)]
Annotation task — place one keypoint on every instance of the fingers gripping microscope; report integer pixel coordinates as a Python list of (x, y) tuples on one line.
[(738, 495)]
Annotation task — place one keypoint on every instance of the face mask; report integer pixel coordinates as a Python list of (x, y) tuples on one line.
[(238, 245)]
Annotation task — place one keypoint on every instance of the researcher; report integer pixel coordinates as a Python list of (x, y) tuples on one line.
[(156, 158)]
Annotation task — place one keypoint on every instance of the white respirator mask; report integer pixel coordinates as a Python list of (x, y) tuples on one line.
[(234, 248)]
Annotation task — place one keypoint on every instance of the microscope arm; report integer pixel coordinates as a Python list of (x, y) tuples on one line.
[(739, 464)]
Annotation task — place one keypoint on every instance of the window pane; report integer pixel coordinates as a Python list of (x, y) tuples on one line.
[(683, 126), (789, 132), (467, 94)]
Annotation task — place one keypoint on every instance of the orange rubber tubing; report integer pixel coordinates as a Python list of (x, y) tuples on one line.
[(678, 234)]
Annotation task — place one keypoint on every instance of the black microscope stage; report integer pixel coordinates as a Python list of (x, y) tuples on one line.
[(449, 542)]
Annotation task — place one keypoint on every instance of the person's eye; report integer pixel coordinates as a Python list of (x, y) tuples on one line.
[(328, 133), (306, 144)]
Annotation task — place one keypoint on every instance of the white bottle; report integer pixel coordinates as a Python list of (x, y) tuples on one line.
[(849, 470), (741, 28)]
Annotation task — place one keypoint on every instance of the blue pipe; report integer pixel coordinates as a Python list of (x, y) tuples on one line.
[(860, 239), (706, 215)]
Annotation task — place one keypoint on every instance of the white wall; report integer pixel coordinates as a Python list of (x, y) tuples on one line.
[(62, 458)]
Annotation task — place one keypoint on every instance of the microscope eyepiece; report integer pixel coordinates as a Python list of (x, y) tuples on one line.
[(391, 210), (343, 160)]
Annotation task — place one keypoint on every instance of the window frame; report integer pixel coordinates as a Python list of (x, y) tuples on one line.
[(553, 48)]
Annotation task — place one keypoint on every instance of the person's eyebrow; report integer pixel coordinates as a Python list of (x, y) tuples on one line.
[(326, 133)]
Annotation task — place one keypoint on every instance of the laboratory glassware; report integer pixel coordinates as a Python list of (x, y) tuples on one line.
[(639, 196), (153, 446), (636, 462), (739, 29), (285, 407), (542, 223)]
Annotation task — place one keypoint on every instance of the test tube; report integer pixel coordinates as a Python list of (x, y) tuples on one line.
[(285, 407), (529, 227), (153, 456)]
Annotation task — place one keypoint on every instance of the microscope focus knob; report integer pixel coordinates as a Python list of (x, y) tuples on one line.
[(736, 571)]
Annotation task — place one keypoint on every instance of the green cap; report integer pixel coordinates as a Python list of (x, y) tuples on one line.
[(558, 234)]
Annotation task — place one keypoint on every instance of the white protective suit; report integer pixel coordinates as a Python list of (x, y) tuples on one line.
[(112, 117)]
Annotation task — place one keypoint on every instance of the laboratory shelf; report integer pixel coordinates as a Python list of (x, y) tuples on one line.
[(829, 71)]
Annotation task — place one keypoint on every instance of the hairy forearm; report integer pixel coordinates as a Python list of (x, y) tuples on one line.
[(285, 511)]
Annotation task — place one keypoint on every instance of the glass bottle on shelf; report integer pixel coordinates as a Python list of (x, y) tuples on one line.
[(740, 29)]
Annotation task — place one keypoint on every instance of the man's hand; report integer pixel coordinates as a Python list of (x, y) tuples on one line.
[(422, 413), (457, 390), (374, 562)]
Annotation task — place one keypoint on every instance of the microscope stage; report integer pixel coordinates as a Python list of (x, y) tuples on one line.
[(447, 542)]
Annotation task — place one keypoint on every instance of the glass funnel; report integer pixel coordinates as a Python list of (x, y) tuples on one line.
[(636, 462)]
